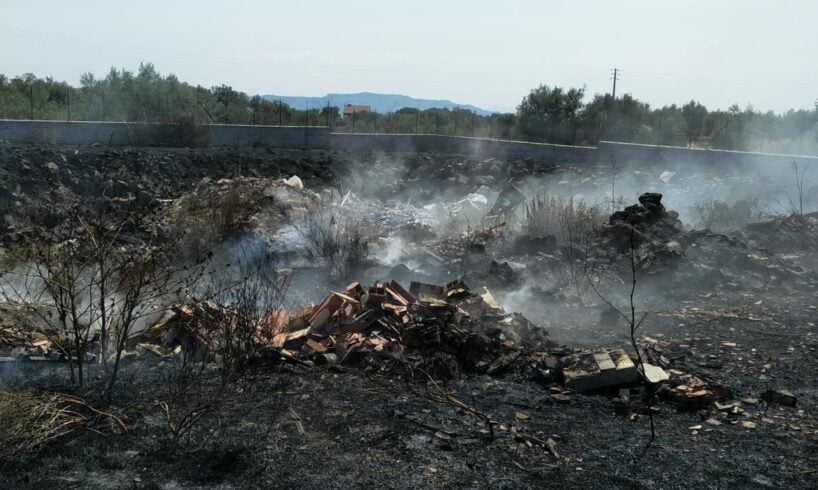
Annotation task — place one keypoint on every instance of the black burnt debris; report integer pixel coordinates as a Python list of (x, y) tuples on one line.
[(439, 312)]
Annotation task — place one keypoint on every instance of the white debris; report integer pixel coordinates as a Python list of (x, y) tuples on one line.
[(294, 182), (666, 176)]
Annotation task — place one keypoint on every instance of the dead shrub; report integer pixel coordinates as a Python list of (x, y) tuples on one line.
[(251, 293), (187, 132), (569, 221), (212, 213), (335, 239), (720, 216), (31, 420), (87, 294), (199, 404), (573, 224), (143, 134)]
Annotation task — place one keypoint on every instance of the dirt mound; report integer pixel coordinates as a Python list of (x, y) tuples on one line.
[(40, 188), (691, 261), (782, 235)]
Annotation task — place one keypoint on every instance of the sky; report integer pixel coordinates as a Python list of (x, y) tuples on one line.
[(486, 53)]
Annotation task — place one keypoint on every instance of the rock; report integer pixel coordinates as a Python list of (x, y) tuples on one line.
[(52, 167), (535, 243), (782, 397), (652, 201), (294, 182), (654, 374), (588, 372)]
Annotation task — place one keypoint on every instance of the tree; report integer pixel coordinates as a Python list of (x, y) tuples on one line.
[(550, 114), (330, 114), (695, 116)]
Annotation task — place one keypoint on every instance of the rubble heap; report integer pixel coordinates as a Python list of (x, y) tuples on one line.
[(646, 224), (446, 328), (695, 259), (782, 235), (429, 326), (16, 344)]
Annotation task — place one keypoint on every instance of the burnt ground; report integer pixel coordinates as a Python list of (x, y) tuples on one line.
[(375, 431), (340, 427)]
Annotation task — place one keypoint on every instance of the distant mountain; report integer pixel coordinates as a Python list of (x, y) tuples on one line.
[(381, 103)]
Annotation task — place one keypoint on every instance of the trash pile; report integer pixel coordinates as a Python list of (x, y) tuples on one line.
[(644, 225), (441, 328), (447, 329), (782, 235), (427, 332), (17, 345), (437, 331), (697, 259)]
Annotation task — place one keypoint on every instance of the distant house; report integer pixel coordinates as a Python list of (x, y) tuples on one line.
[(350, 109)]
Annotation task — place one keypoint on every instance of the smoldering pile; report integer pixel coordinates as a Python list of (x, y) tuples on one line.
[(434, 332), (696, 259), (444, 329)]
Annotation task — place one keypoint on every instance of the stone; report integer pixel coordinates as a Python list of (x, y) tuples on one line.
[(782, 397), (654, 374), (587, 372)]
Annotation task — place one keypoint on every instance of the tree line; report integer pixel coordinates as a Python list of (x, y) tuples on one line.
[(547, 114), (560, 116)]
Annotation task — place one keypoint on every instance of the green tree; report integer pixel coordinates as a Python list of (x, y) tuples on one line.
[(550, 114), (695, 117)]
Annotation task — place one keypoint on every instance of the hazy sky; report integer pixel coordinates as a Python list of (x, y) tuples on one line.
[(487, 53)]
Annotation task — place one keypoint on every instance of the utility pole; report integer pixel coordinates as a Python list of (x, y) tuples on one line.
[(68, 99), (31, 100), (614, 77)]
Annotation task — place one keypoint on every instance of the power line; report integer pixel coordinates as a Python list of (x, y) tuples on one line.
[(614, 77)]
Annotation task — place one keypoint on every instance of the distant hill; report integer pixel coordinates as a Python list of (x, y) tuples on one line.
[(381, 103)]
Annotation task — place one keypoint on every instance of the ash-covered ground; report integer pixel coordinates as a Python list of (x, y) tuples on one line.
[(439, 384)]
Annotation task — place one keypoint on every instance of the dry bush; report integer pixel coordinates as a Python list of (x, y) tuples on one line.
[(199, 404), (475, 239), (55, 284), (194, 398), (335, 239), (87, 294), (251, 293), (31, 420), (210, 214), (721, 216), (571, 222), (143, 134), (187, 132)]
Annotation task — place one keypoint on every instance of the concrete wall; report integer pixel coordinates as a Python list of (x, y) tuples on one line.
[(461, 145), (117, 133), (636, 154)]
